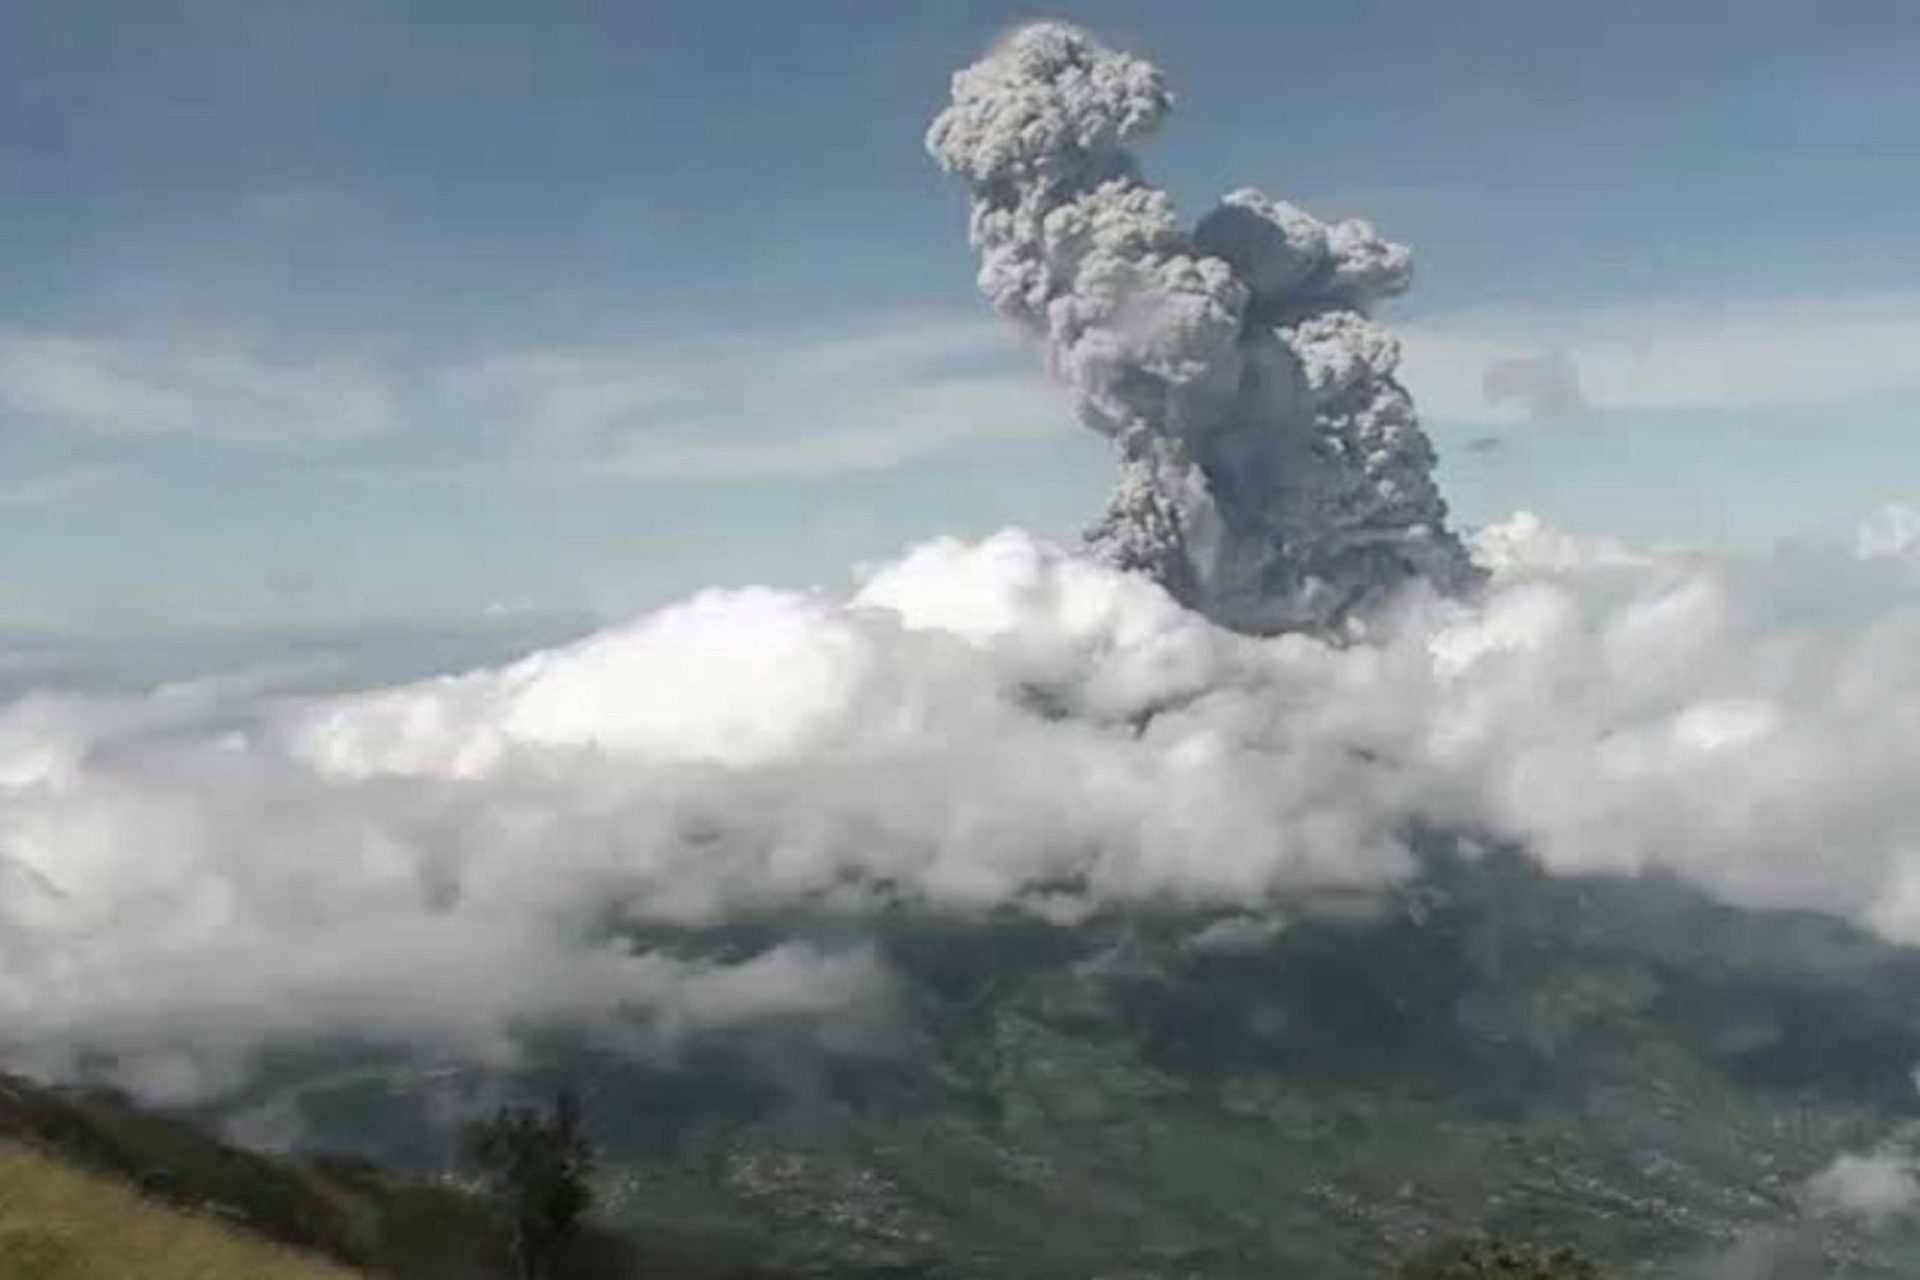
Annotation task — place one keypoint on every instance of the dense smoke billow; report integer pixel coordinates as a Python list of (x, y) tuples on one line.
[(1274, 474), (195, 875)]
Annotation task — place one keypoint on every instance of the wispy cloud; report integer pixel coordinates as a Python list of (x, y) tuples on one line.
[(138, 388), (1546, 386), (887, 428), (713, 407), (51, 489), (1512, 364), (754, 407)]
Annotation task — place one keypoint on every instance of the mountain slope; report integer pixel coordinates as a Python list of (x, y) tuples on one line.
[(1614, 1063)]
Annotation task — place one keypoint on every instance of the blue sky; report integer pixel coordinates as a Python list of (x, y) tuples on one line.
[(343, 313)]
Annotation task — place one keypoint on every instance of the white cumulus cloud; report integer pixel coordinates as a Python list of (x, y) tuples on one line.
[(198, 873), (1874, 1187)]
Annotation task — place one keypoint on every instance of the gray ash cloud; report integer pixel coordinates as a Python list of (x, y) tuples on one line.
[(1274, 474)]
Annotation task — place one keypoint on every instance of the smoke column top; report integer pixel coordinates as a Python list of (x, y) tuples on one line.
[(1046, 91)]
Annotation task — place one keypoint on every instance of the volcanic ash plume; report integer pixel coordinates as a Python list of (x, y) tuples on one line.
[(1274, 474)]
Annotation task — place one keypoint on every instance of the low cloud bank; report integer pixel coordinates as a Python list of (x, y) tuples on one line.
[(1874, 1187), (193, 875)]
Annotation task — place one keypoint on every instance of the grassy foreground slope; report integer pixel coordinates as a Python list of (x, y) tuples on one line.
[(350, 1214), (93, 1186), (139, 1173), (61, 1222)]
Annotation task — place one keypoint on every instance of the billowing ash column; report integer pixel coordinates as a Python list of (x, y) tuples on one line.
[(1274, 475)]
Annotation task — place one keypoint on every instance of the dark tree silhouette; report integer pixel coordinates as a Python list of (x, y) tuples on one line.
[(1497, 1260), (537, 1164)]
